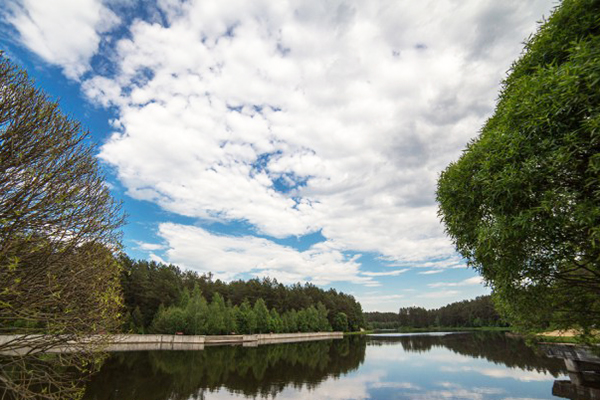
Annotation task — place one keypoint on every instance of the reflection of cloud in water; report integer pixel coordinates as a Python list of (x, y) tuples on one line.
[(381, 353), (521, 398), (395, 385), (513, 373), (455, 391), (384, 354), (346, 387), (359, 386)]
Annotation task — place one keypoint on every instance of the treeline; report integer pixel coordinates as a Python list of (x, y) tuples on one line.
[(194, 316), (162, 298), (467, 313)]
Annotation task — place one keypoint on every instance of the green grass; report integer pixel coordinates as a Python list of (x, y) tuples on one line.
[(556, 339), (446, 329)]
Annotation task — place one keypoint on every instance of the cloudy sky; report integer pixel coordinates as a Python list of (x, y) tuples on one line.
[(300, 140)]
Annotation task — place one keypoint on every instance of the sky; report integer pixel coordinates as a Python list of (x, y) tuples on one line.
[(299, 140)]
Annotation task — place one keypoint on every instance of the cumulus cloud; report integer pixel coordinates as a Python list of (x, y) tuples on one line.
[(149, 246), (292, 117), (228, 256), (389, 273), (379, 302), (298, 117), (431, 272), (476, 280), (439, 294), (62, 32)]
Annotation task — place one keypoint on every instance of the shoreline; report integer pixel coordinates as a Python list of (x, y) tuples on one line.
[(138, 342)]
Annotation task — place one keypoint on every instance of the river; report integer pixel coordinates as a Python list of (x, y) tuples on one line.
[(479, 365)]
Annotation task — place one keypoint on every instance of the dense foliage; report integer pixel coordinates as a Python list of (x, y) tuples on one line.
[(523, 202), (58, 233), (197, 303), (194, 316), (467, 313)]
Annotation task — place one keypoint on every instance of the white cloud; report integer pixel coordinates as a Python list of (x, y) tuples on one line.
[(227, 257), (476, 280), (431, 272), (294, 117), (380, 302), (389, 273), (149, 246), (456, 391), (62, 32), (352, 107), (439, 294), (395, 385)]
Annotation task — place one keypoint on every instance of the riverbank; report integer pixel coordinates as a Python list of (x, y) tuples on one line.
[(434, 329), (134, 342)]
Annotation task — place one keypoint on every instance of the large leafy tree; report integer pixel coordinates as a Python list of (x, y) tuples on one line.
[(58, 236), (523, 201)]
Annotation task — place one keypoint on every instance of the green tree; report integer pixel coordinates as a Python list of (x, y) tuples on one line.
[(290, 321), (276, 321), (196, 313), (215, 324), (522, 203), (322, 321), (245, 318), (303, 322), (138, 320), (58, 239), (263, 318), (230, 322), (340, 323)]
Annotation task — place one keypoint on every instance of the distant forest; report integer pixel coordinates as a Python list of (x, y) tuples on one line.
[(162, 298), (467, 313)]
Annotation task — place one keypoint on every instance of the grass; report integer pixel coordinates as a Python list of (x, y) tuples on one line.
[(446, 329), (358, 333), (556, 339)]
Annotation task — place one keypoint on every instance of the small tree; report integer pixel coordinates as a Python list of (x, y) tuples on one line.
[(196, 313), (276, 321), (245, 318), (340, 322), (263, 318), (216, 316), (58, 236)]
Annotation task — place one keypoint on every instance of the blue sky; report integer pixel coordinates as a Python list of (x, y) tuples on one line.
[(300, 140)]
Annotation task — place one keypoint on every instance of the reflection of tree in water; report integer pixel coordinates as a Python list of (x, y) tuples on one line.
[(260, 371), (492, 346)]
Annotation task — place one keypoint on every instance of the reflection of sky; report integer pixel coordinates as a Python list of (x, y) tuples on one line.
[(389, 372)]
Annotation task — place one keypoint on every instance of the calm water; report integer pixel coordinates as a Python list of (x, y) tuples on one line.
[(454, 366)]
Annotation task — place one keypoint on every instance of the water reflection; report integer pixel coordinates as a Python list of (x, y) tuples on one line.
[(263, 371), (492, 346), (457, 366)]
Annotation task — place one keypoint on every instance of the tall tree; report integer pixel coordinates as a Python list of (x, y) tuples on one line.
[(58, 235), (523, 202)]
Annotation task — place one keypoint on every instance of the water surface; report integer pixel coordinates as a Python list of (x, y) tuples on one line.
[(445, 366)]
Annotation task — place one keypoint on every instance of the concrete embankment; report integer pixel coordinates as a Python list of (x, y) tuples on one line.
[(127, 342), (197, 342)]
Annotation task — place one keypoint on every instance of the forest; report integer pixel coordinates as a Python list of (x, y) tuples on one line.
[(478, 312), (162, 298)]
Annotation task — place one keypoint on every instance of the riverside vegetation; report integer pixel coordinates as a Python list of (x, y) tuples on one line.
[(161, 298), (522, 203), (476, 313)]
